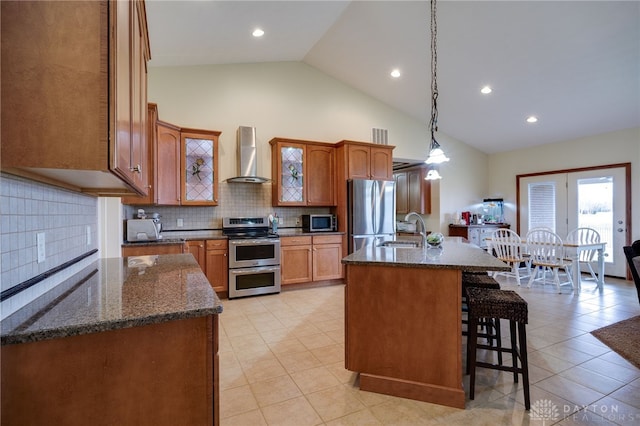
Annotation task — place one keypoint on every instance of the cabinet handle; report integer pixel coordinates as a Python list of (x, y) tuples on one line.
[(137, 168)]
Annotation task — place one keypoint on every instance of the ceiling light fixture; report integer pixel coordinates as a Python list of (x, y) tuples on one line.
[(395, 73), (433, 174), (258, 32), (486, 90), (532, 119), (436, 154)]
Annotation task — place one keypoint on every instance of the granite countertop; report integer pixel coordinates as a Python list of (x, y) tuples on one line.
[(162, 241), (454, 253), (116, 293), (200, 234), (296, 232), (477, 225), (179, 237)]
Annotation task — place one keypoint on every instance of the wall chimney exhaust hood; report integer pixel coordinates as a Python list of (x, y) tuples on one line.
[(247, 157)]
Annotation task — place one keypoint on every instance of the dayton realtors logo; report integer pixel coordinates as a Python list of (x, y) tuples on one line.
[(547, 412)]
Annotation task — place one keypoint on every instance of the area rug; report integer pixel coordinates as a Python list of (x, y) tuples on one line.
[(623, 337)]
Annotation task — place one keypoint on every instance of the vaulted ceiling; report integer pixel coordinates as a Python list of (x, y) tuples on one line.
[(575, 65)]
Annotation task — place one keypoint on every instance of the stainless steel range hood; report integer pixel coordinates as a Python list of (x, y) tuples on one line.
[(247, 156)]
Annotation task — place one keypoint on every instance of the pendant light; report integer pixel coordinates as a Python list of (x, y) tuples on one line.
[(436, 154)]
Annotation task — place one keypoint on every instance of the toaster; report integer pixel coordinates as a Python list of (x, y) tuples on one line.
[(142, 230)]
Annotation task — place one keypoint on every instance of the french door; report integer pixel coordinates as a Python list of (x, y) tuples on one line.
[(593, 198)]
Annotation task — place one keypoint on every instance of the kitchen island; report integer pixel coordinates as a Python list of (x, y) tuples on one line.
[(125, 341), (403, 319)]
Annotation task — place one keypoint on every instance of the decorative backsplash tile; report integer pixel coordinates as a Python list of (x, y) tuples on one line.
[(68, 220), (235, 200)]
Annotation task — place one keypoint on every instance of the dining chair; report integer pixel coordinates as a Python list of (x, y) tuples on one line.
[(546, 250), (536, 228), (632, 253), (507, 246), (584, 236)]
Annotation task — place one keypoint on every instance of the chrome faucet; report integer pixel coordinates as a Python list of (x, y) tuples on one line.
[(424, 227)]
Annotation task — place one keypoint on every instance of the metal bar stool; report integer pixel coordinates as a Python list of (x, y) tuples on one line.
[(498, 304)]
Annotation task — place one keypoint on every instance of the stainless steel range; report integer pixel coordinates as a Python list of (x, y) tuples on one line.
[(254, 256)]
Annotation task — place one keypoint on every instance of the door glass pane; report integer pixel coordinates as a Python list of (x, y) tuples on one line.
[(595, 209), (542, 205), (199, 169), (291, 178)]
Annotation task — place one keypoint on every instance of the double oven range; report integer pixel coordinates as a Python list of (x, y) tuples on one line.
[(254, 256)]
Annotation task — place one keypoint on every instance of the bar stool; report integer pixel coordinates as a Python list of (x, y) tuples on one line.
[(498, 304), (491, 327)]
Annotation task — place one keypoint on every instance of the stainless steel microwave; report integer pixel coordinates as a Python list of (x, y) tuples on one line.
[(319, 222)]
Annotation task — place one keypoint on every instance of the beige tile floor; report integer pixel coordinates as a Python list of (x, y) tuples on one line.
[(282, 363)]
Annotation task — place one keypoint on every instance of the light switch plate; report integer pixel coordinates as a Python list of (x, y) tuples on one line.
[(180, 223)]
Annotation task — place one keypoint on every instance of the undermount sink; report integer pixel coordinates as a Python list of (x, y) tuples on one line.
[(400, 244)]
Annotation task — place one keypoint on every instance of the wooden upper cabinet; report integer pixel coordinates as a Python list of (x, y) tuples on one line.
[(150, 198), (413, 192), (402, 195), (359, 161), (199, 167), (303, 173), (381, 163), (184, 166), (74, 94), (367, 161), (167, 157), (321, 175)]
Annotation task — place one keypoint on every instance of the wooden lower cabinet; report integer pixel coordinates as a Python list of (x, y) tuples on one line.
[(305, 259), (217, 265), (197, 249), (212, 256), (152, 249), (296, 260), (327, 256), (158, 374)]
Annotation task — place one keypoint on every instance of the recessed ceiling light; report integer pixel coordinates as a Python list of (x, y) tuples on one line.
[(258, 32), (532, 119), (395, 73), (485, 90)]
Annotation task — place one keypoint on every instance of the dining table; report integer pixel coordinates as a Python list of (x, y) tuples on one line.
[(574, 251)]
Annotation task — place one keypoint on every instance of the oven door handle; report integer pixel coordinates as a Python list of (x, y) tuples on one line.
[(257, 242), (244, 271)]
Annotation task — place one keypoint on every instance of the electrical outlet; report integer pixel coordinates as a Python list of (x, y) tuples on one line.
[(41, 244), (180, 223), (88, 235), (297, 221), (280, 221)]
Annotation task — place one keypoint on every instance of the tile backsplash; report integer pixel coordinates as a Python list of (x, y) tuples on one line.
[(235, 200), (68, 221)]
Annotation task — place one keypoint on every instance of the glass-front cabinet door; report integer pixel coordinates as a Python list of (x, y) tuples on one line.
[(289, 171), (199, 163)]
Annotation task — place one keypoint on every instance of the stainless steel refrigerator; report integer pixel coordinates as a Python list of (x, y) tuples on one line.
[(371, 211)]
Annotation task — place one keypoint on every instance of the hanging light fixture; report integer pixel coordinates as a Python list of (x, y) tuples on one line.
[(436, 154), (433, 174)]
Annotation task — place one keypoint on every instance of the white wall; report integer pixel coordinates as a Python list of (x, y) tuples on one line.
[(294, 100), (611, 148)]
